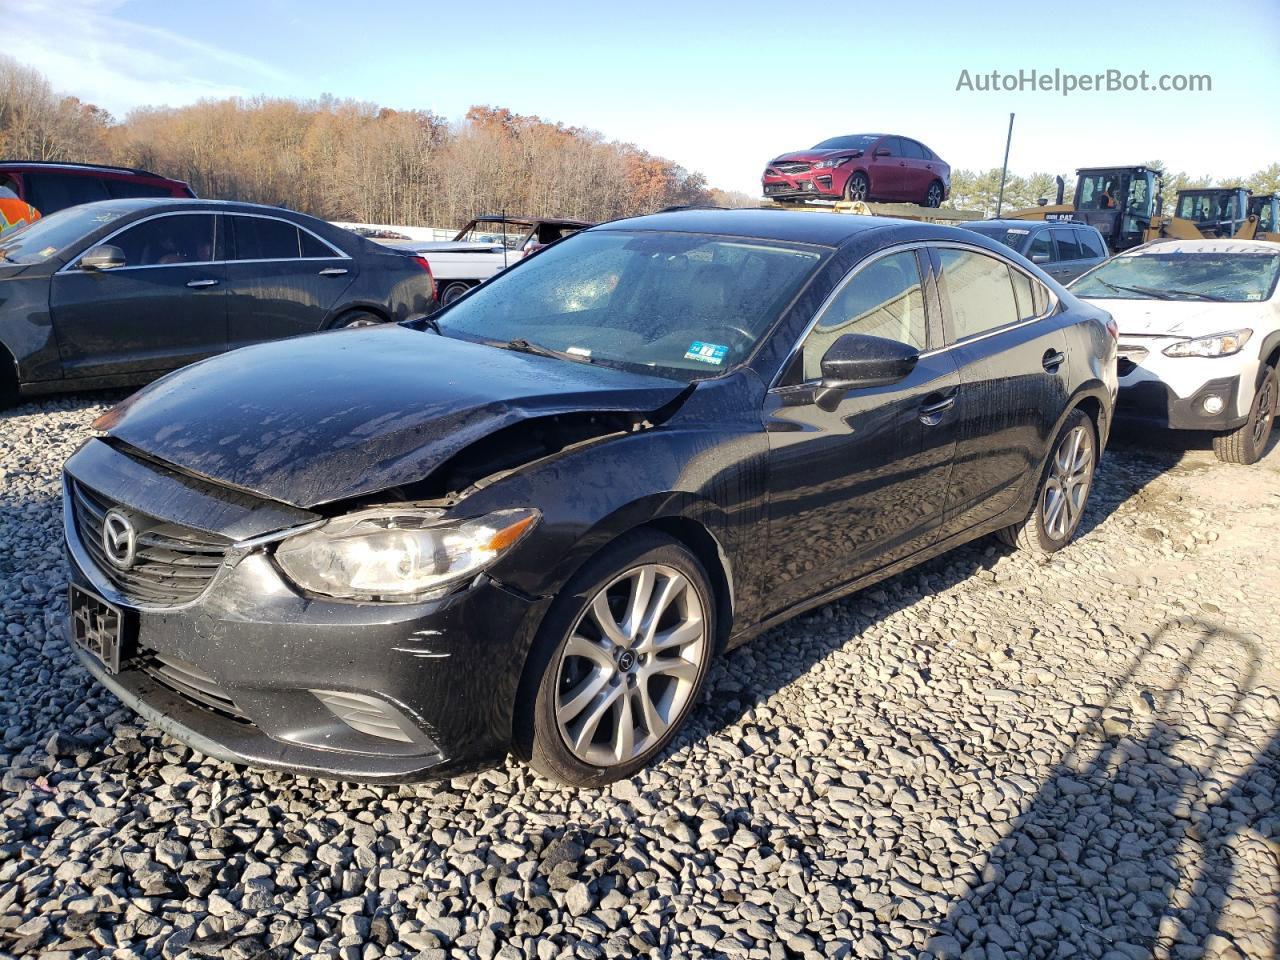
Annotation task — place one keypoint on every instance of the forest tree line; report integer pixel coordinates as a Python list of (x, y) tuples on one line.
[(353, 161)]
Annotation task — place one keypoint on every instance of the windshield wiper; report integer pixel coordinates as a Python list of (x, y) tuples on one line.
[(1194, 294), (538, 350), (1145, 291)]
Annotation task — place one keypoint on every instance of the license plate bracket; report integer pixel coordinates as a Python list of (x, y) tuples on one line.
[(101, 629)]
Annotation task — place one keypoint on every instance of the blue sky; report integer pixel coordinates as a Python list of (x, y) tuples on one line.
[(719, 87)]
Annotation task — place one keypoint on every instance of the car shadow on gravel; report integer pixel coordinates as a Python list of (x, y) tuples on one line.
[(1135, 847)]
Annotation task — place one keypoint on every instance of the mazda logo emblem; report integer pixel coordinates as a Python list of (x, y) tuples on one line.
[(119, 539)]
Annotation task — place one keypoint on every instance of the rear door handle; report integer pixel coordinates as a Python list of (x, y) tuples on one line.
[(333, 272), (202, 283), (931, 412), (1053, 359)]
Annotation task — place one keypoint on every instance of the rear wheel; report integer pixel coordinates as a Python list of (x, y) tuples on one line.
[(933, 198), (618, 663), (857, 187), (1063, 492), (1248, 443), (452, 292)]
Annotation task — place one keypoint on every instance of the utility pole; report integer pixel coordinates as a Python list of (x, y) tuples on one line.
[(1004, 171)]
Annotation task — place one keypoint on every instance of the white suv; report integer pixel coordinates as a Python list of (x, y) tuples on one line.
[(1199, 337)]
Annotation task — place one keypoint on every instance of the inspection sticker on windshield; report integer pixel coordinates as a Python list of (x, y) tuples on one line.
[(712, 353)]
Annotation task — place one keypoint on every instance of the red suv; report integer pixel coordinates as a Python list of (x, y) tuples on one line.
[(862, 166), (50, 187)]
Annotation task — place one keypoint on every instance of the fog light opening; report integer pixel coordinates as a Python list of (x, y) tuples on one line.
[(1212, 404), (365, 714)]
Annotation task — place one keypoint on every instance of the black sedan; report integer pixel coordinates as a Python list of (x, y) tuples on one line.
[(118, 292), (529, 522)]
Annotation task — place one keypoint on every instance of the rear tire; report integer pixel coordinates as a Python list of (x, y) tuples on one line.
[(357, 318), (933, 197), (857, 187), (452, 292), (606, 689), (1247, 444), (1063, 491)]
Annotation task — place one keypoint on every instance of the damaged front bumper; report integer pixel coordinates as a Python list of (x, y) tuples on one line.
[(253, 672)]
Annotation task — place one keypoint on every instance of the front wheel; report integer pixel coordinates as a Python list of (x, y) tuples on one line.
[(1063, 492), (1247, 444), (619, 662), (857, 187)]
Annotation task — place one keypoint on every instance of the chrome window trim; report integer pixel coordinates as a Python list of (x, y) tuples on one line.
[(73, 267), (1050, 309), (337, 254)]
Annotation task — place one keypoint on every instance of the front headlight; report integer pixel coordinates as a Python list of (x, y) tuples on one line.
[(398, 553), (1217, 345), (828, 164)]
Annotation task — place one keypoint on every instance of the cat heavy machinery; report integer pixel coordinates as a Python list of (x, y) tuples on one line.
[(1120, 201), (1266, 207), (1207, 213)]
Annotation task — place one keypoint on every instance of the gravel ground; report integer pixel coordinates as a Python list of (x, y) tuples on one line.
[(985, 757)]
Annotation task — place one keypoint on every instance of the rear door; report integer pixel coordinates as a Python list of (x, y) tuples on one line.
[(859, 480), (1069, 262), (283, 280), (917, 170), (1091, 245), (1010, 347), (889, 172), (164, 308)]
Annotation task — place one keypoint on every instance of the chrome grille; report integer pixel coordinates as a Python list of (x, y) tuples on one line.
[(792, 167), (188, 681), (172, 564)]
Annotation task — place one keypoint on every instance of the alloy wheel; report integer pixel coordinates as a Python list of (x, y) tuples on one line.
[(630, 665), (1066, 488), (1266, 410), (934, 196), (858, 187)]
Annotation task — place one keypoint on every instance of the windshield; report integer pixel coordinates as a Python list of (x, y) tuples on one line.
[(507, 233), (1205, 207), (1012, 237), (859, 141), (1235, 277), (38, 241), (681, 305)]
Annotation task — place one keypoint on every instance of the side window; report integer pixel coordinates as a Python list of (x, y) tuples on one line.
[(911, 149), (165, 241), (890, 144), (264, 238), (1041, 246), (884, 299), (1024, 294), (979, 291), (1068, 246), (51, 192), (311, 247), (122, 188), (1092, 243)]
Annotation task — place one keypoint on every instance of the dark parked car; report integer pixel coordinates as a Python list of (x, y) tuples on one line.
[(861, 166), (119, 292), (1062, 250), (50, 187), (530, 521)]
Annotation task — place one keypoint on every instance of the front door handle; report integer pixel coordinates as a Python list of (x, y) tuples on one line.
[(932, 410), (1053, 359), (333, 272), (202, 283)]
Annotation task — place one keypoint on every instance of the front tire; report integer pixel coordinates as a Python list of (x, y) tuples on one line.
[(1247, 444), (1063, 492), (857, 187), (619, 662)]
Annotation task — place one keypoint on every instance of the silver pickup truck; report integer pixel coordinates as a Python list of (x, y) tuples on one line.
[(483, 247)]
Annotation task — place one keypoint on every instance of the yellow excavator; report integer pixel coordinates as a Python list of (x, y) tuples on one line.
[(1120, 201), (1207, 213)]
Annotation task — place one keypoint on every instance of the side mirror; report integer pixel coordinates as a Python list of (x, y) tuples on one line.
[(882, 152), (1040, 258), (102, 257), (858, 360)]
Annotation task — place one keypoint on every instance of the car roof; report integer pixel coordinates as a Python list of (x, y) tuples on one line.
[(133, 204), (85, 168), (554, 221), (1013, 223), (1223, 245), (790, 226)]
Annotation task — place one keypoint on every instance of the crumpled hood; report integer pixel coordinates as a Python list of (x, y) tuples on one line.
[(322, 418), (1178, 318), (812, 156)]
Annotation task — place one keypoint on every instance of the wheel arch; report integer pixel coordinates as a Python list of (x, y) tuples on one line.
[(378, 310)]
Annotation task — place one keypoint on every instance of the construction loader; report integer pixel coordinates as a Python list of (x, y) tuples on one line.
[(1120, 201)]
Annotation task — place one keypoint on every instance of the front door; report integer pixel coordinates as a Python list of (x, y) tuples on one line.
[(166, 307), (858, 480), (1012, 359), (282, 280)]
